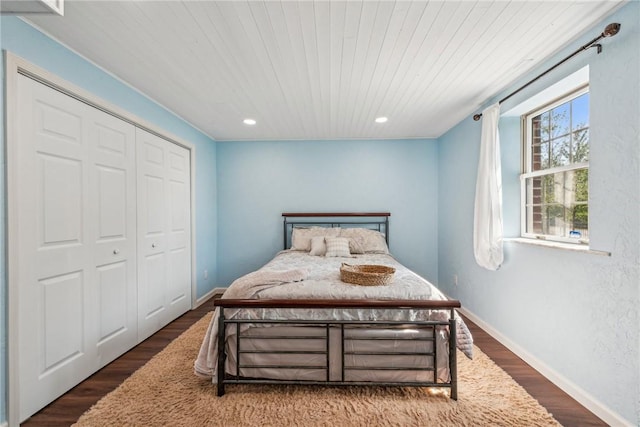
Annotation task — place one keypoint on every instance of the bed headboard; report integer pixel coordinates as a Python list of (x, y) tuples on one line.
[(378, 221)]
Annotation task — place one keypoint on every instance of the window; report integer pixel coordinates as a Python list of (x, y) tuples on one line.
[(555, 179)]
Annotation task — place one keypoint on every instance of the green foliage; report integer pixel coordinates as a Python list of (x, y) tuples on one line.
[(561, 139)]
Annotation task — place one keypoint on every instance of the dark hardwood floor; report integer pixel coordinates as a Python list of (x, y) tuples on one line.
[(68, 408)]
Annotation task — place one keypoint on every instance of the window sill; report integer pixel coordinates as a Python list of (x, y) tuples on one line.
[(556, 245)]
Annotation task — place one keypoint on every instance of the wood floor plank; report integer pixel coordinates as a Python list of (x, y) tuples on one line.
[(68, 408)]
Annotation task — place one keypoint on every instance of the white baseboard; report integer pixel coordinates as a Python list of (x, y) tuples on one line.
[(218, 291), (206, 297), (579, 394)]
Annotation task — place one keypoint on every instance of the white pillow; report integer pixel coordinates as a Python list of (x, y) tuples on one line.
[(318, 247), (374, 242), (301, 236), (365, 240), (356, 239), (337, 247)]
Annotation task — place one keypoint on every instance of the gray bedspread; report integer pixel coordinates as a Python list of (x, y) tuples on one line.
[(298, 275)]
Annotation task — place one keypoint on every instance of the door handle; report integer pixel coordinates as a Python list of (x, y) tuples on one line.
[(116, 251)]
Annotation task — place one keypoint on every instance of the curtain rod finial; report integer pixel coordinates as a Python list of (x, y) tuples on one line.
[(611, 29), (476, 117)]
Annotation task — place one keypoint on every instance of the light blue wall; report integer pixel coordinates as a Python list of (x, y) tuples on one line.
[(428, 186), (206, 218), (257, 181), (577, 313), (24, 41)]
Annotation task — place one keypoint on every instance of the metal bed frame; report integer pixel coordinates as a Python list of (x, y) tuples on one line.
[(379, 222)]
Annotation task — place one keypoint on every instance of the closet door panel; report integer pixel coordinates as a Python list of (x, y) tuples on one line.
[(113, 305), (113, 209), (112, 203), (179, 229), (153, 189), (62, 319), (61, 191), (54, 261), (152, 233), (164, 231), (76, 228), (155, 295)]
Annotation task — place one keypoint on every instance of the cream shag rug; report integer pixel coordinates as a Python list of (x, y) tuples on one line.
[(165, 392)]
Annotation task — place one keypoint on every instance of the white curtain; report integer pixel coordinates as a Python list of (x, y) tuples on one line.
[(487, 221)]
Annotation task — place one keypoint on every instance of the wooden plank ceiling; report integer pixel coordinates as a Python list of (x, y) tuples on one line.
[(320, 69)]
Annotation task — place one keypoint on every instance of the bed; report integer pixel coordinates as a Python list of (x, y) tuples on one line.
[(294, 321)]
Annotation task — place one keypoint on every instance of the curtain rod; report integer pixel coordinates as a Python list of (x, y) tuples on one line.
[(609, 31)]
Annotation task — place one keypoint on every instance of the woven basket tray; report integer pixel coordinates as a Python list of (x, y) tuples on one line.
[(366, 275)]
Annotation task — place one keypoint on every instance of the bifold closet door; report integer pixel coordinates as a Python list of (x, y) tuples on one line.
[(76, 268), (164, 232)]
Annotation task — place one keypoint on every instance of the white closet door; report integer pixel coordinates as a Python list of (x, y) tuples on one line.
[(75, 178), (164, 256), (112, 203), (179, 226)]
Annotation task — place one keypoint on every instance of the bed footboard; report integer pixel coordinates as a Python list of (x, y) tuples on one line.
[(446, 321)]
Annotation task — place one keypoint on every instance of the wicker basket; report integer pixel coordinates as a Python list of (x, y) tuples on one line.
[(366, 275)]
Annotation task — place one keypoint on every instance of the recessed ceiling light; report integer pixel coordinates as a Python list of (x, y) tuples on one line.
[(381, 119), (249, 122)]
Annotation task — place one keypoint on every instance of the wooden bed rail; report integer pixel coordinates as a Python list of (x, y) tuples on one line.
[(336, 303), (334, 214)]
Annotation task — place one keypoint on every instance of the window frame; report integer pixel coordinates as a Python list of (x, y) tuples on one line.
[(526, 162)]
